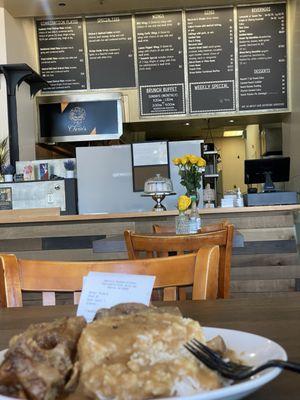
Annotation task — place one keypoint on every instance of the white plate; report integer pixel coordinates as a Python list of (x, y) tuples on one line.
[(253, 349)]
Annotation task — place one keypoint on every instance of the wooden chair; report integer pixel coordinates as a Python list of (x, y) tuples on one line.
[(17, 275), (154, 245), (205, 229)]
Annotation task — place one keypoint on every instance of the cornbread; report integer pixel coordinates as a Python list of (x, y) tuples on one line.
[(141, 355)]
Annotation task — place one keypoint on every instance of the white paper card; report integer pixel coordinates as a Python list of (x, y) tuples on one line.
[(104, 290)]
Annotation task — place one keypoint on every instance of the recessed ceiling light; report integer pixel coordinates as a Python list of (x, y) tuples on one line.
[(231, 120), (187, 124)]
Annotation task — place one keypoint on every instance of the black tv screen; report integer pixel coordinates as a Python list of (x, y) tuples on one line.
[(80, 121)]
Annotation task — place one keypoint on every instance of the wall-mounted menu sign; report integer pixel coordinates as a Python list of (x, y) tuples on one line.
[(160, 63), (110, 52), (262, 57), (211, 66), (61, 53)]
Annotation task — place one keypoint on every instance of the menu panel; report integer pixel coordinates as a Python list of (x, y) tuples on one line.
[(160, 63), (262, 57), (61, 53), (110, 52), (211, 65)]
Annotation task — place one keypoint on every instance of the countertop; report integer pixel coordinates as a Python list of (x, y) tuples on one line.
[(52, 214)]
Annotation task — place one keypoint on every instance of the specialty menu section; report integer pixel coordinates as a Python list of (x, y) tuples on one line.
[(262, 57), (61, 53), (160, 63), (110, 52), (211, 61)]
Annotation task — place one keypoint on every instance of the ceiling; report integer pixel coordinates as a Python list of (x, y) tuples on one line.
[(38, 8), (202, 128)]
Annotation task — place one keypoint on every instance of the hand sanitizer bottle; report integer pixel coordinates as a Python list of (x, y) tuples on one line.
[(239, 199)]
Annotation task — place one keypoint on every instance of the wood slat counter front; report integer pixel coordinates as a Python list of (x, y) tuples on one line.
[(267, 262)]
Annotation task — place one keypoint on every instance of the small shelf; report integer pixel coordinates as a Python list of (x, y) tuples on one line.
[(210, 152), (211, 175)]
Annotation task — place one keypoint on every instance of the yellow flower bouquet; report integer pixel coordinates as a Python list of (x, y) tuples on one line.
[(190, 171)]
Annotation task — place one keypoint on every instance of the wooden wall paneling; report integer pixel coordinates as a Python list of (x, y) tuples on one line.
[(70, 255), (251, 235), (264, 259), (265, 273), (272, 285), (12, 245), (267, 247), (63, 229)]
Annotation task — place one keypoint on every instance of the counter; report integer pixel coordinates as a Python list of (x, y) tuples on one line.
[(267, 262)]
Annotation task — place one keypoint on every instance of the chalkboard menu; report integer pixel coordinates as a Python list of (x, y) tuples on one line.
[(110, 52), (211, 66), (61, 53), (160, 63), (262, 57)]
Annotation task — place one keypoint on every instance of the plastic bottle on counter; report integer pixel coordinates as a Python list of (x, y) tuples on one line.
[(194, 218), (239, 199)]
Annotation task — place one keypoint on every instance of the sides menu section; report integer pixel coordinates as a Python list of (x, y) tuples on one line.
[(262, 57), (160, 63), (110, 52), (61, 53), (211, 65)]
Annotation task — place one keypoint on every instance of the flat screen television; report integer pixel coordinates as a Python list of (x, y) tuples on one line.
[(267, 171), (80, 118)]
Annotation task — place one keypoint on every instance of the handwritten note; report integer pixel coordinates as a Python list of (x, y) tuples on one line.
[(104, 290)]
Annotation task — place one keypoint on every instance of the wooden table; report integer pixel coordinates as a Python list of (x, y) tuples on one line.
[(275, 318)]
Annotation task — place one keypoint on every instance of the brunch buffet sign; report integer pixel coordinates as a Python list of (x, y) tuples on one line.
[(223, 59), (104, 290)]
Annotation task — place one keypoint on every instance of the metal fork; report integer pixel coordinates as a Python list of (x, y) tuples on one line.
[(230, 369)]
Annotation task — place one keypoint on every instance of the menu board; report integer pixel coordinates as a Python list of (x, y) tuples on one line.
[(160, 63), (211, 65), (61, 53), (110, 52), (262, 57)]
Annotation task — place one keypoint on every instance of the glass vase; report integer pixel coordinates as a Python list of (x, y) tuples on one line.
[(182, 223)]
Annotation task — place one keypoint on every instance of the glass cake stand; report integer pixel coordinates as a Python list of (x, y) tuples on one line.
[(158, 197)]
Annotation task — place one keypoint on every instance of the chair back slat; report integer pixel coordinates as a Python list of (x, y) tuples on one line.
[(172, 244), (170, 294), (19, 275)]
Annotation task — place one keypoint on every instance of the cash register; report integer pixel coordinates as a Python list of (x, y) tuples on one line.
[(267, 171)]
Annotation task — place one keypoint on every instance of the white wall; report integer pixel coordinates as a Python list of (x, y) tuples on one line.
[(232, 152), (18, 46)]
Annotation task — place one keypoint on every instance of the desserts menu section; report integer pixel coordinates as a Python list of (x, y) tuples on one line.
[(61, 53), (211, 62), (160, 63), (262, 57), (110, 52)]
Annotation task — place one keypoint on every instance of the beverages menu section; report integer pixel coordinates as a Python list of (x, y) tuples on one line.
[(160, 63), (262, 57), (211, 62), (110, 52), (217, 60), (61, 53)]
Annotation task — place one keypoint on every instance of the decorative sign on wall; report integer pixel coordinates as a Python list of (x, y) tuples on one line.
[(262, 57), (61, 53), (215, 84), (80, 120), (160, 63), (211, 66), (110, 52)]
